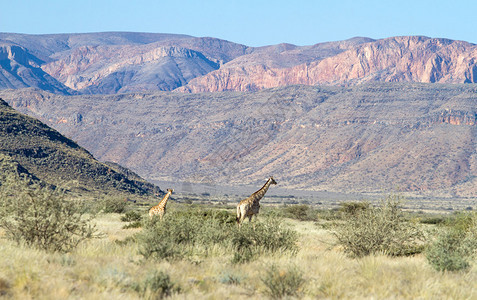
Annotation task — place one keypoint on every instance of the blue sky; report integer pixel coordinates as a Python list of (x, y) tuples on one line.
[(253, 23)]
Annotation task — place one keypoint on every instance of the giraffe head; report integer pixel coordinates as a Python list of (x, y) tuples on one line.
[(170, 190), (272, 180)]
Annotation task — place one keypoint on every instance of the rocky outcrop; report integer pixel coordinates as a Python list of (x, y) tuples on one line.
[(399, 59), (110, 62), (139, 62), (132, 67), (20, 69)]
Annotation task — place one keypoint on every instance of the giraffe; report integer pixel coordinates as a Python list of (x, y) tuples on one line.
[(160, 209), (250, 206)]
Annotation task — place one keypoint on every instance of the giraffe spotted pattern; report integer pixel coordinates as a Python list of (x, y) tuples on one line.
[(250, 206), (160, 209)]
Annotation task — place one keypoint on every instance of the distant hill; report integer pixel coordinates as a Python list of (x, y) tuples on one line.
[(396, 59), (21, 69), (122, 62), (110, 62), (365, 138), (31, 148)]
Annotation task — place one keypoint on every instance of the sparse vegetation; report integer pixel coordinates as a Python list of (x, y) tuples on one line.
[(267, 236), (133, 218), (197, 232), (369, 230), (302, 212), (277, 256), (454, 248), (112, 204), (41, 217), (283, 281), (157, 285), (354, 208)]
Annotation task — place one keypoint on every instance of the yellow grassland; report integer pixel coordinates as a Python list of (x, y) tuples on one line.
[(104, 269)]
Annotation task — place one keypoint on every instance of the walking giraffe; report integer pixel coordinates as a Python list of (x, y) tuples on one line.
[(250, 206), (160, 209)]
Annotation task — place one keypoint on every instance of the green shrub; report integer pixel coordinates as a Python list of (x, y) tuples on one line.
[(186, 233), (266, 236), (112, 204), (461, 221), (283, 282), (300, 212), (42, 217), (454, 248), (379, 229), (433, 220), (329, 214), (157, 285), (353, 208), (449, 252), (133, 218), (181, 233)]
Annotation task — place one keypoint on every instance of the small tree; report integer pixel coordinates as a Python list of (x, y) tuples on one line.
[(40, 216)]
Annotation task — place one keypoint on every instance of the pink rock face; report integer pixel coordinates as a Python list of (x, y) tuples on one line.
[(408, 59), (110, 63)]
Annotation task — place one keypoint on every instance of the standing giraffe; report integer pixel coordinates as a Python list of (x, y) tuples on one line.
[(160, 209), (250, 206)]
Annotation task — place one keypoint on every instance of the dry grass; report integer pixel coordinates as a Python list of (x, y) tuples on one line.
[(105, 269)]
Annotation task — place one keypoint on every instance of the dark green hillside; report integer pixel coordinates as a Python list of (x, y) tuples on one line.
[(35, 149)]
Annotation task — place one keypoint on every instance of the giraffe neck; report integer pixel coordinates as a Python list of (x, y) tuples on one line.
[(261, 192), (164, 200)]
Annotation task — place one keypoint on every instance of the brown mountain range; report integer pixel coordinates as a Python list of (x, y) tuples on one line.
[(357, 115), (365, 138)]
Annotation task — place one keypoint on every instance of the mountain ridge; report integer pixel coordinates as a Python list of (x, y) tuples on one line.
[(29, 147), (415, 137), (75, 61)]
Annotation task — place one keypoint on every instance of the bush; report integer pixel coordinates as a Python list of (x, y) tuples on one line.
[(455, 246), (433, 220), (353, 208), (300, 212), (112, 204), (133, 218), (382, 229), (267, 236), (449, 252), (42, 217), (283, 282), (186, 233), (180, 231), (157, 285)]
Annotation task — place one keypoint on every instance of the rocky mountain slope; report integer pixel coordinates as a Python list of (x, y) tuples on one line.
[(111, 62), (20, 69), (119, 62), (29, 147), (397, 59), (364, 138)]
